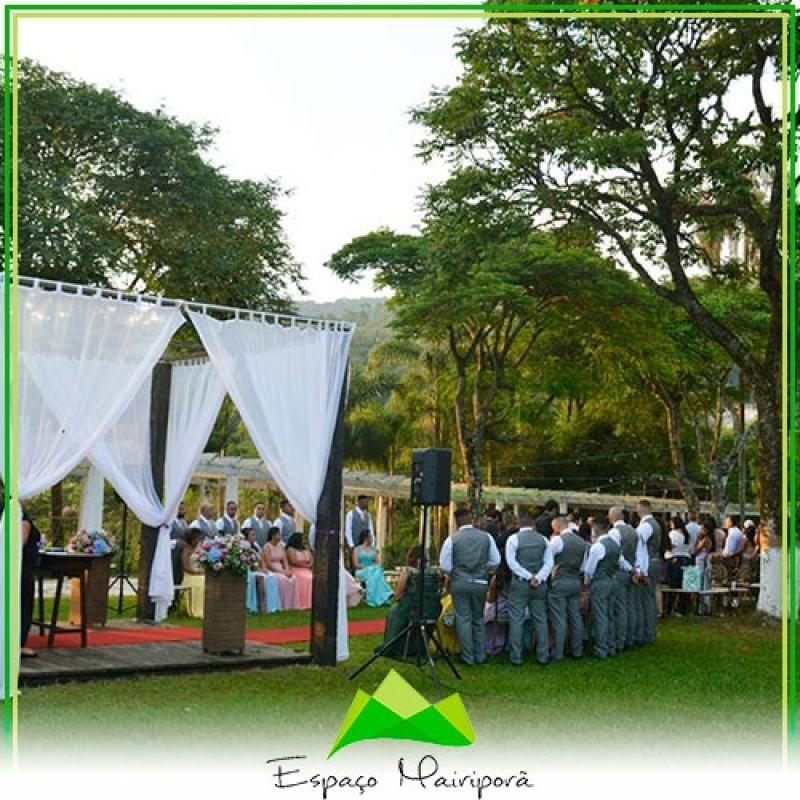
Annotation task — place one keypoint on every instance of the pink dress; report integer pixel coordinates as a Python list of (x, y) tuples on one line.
[(287, 586), (300, 564)]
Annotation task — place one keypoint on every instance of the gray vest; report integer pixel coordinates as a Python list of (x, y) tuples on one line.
[(206, 526), (471, 554), (359, 526), (530, 550), (570, 560), (287, 527), (654, 542), (609, 564), (629, 540), (229, 526), (260, 526)]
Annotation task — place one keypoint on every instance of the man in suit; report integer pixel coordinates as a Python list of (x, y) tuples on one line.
[(258, 523), (205, 521), (227, 523), (357, 524), (468, 557), (285, 521), (626, 615), (544, 522), (648, 564), (177, 534), (600, 571), (568, 550), (530, 561)]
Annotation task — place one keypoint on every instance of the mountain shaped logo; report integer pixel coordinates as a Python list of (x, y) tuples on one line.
[(398, 711)]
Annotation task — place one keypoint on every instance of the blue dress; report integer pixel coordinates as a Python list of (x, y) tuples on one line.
[(272, 600), (378, 592)]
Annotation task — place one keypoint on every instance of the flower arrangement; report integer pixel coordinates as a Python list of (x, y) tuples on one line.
[(229, 552), (99, 543)]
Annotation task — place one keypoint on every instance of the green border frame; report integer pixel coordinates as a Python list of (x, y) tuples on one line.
[(15, 12)]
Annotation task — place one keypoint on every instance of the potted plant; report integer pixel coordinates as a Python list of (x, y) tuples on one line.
[(97, 543), (226, 559)]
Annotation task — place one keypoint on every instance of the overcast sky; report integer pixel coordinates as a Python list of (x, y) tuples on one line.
[(319, 104)]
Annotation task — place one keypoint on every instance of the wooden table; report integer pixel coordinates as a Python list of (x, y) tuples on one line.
[(60, 564)]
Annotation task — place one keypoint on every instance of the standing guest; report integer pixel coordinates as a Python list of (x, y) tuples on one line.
[(693, 529), (356, 523), (648, 564), (194, 575), (274, 561), (491, 523), (469, 556), (205, 521), (544, 522), (568, 550), (530, 561), (259, 523), (677, 558), (625, 606), (735, 543), (703, 549), (602, 564), (285, 522), (368, 569), (228, 524), (31, 537), (300, 563), (177, 535)]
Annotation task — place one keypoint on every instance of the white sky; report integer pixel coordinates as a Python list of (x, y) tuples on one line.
[(319, 104)]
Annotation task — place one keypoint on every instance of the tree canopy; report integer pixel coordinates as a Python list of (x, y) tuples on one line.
[(111, 195)]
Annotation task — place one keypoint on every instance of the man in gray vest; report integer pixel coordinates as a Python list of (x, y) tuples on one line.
[(600, 572), (626, 609), (468, 557), (205, 521), (259, 523), (286, 521), (227, 523), (568, 550), (649, 566), (530, 561), (357, 524)]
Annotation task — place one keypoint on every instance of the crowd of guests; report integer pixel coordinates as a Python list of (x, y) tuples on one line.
[(550, 585)]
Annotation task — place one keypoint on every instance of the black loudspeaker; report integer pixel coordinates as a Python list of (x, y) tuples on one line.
[(430, 477)]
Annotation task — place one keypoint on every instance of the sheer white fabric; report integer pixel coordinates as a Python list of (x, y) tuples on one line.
[(80, 360), (91, 512), (286, 383), (123, 457)]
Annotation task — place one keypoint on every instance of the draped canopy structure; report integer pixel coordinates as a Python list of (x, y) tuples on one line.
[(79, 369)]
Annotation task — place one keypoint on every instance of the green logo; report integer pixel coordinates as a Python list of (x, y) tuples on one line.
[(398, 711)]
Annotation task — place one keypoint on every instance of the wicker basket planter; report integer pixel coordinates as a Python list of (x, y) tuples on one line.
[(97, 579), (224, 612)]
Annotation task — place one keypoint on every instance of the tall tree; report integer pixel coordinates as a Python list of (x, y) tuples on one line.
[(483, 283), (110, 195), (650, 131)]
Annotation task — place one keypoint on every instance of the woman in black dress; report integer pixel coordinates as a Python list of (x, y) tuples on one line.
[(30, 557)]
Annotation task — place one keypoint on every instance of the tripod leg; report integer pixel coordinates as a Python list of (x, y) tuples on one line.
[(443, 651), (423, 644), (383, 648)]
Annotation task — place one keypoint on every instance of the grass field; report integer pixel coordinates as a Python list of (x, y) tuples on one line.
[(707, 685)]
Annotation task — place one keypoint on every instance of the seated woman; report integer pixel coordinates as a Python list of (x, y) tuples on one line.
[(194, 575), (300, 560), (274, 562), (367, 569), (406, 595)]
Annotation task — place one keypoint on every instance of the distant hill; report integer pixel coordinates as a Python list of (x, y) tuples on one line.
[(369, 314)]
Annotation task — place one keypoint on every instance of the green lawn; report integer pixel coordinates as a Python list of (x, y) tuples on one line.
[(706, 683)]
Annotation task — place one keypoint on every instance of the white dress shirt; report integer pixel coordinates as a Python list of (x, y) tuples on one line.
[(511, 559), (446, 556)]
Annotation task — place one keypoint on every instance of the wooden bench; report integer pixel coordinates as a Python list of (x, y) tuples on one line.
[(718, 593)]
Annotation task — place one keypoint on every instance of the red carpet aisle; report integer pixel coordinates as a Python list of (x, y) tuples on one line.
[(133, 633)]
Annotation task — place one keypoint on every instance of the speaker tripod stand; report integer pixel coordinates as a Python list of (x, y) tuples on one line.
[(121, 579), (419, 631)]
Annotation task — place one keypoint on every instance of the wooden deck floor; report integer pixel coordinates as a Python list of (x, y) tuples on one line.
[(65, 664)]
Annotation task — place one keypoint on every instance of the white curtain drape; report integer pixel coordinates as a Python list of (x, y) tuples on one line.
[(123, 457), (286, 383), (91, 511), (80, 358)]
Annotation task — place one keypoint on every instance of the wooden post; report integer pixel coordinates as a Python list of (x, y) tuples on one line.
[(159, 415), (325, 592)]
